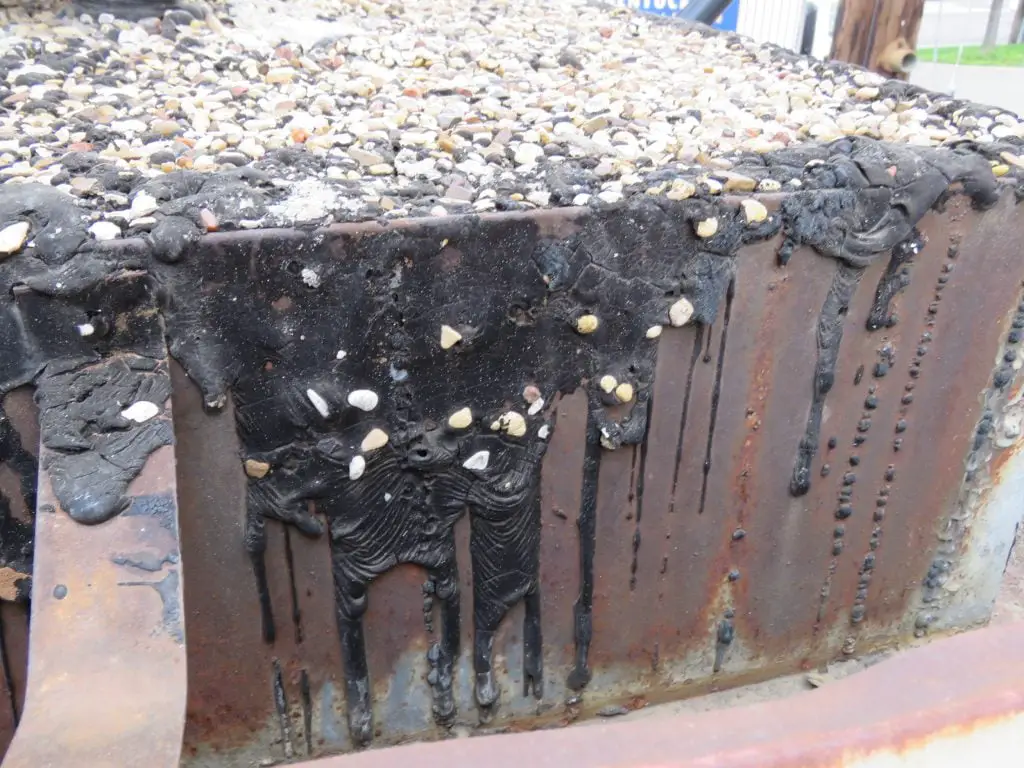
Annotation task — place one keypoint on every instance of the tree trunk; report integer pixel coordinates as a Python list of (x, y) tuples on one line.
[(1018, 23), (866, 28), (992, 28)]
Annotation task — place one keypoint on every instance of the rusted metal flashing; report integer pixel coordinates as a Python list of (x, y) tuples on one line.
[(106, 681), (696, 441), (905, 711)]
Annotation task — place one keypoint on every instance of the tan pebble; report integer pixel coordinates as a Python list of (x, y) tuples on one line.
[(769, 185), (531, 394), (495, 425), (607, 383), (513, 424), (653, 332), (754, 211), (713, 186), (735, 182), (624, 392), (681, 189), (256, 469), (1012, 159), (449, 337), (1000, 170), (867, 93), (375, 438), (587, 323), (12, 237), (679, 314), (461, 419), (707, 227), (381, 169)]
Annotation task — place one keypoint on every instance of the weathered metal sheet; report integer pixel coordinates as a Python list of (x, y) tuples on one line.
[(707, 571), (489, 473), (910, 710), (106, 683)]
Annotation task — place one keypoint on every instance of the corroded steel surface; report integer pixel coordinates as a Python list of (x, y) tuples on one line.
[(708, 572), (702, 569), (914, 710), (106, 677)]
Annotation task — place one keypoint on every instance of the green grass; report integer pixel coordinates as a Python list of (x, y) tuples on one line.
[(999, 56)]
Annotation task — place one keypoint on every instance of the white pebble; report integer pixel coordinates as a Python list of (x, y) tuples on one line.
[(363, 399), (318, 402), (654, 332), (478, 460), (143, 204), (356, 467), (105, 230), (310, 277), (544, 431), (141, 411), (535, 407), (86, 329)]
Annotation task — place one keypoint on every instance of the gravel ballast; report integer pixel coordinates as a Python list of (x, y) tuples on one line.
[(339, 111)]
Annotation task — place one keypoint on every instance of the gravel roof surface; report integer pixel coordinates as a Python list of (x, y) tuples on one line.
[(334, 110)]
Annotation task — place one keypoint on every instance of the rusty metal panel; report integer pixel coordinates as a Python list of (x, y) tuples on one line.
[(106, 677), (707, 570), (476, 474), (906, 711)]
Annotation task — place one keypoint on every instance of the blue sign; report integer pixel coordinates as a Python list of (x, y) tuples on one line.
[(727, 21)]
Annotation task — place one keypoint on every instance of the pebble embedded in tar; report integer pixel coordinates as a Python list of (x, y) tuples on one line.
[(363, 399), (607, 383), (12, 237), (85, 330), (544, 431), (654, 331), (375, 438), (356, 467), (512, 423), (310, 277), (706, 228), (256, 469), (679, 314), (105, 230), (587, 324), (754, 211), (478, 460), (318, 402), (141, 411), (535, 407), (449, 337), (531, 394), (143, 204), (461, 419), (624, 392)]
